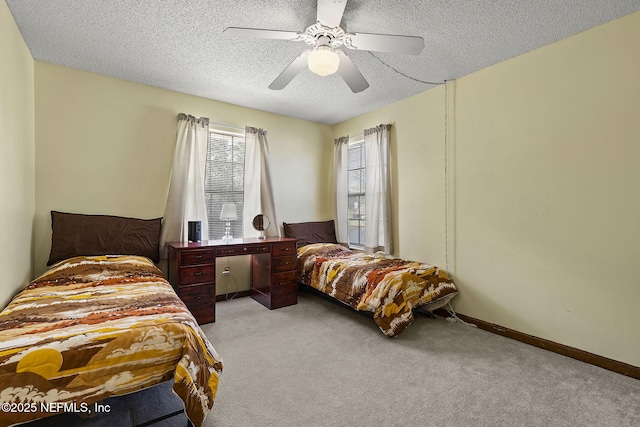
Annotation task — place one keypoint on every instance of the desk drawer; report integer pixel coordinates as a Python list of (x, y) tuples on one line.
[(285, 263), (283, 279), (199, 274), (284, 249), (284, 289), (195, 257), (246, 250), (198, 297)]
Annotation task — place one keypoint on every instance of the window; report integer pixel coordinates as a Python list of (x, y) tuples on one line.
[(362, 185), (224, 180), (356, 193)]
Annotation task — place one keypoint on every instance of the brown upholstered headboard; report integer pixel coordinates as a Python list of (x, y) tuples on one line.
[(79, 234), (311, 232)]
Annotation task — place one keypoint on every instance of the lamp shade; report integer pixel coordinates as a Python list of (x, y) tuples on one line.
[(228, 211), (323, 61)]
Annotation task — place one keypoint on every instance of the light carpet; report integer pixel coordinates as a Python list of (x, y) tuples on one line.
[(319, 364)]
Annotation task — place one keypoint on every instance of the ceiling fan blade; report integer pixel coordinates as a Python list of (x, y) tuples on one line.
[(290, 72), (330, 12), (350, 73), (256, 33), (411, 45)]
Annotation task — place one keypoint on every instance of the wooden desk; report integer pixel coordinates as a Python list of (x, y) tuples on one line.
[(192, 272)]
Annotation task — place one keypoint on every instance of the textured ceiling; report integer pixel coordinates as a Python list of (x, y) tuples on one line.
[(179, 45)]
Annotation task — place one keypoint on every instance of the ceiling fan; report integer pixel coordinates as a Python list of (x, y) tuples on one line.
[(325, 37)]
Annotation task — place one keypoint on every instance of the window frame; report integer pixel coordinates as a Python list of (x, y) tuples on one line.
[(357, 141), (229, 196)]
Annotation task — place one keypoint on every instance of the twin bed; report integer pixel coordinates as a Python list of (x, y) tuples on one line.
[(388, 287), (97, 325)]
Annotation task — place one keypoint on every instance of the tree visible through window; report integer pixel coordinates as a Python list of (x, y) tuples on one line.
[(224, 180), (356, 194)]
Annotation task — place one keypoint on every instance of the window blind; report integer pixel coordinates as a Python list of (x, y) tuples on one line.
[(224, 181), (356, 194)]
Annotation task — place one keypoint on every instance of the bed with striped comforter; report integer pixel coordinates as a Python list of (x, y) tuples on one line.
[(390, 288), (94, 327)]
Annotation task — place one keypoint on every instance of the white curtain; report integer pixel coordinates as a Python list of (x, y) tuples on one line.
[(258, 191), (377, 190), (340, 166), (185, 201)]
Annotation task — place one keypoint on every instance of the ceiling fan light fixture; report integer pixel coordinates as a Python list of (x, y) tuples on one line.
[(323, 61)]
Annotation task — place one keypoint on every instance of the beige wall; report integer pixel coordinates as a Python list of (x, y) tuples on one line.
[(547, 184), (105, 146), (544, 182), (17, 146)]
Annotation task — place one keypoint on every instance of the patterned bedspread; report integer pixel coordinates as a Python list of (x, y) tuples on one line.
[(389, 287), (93, 327)]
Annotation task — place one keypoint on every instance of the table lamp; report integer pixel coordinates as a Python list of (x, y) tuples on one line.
[(228, 212)]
